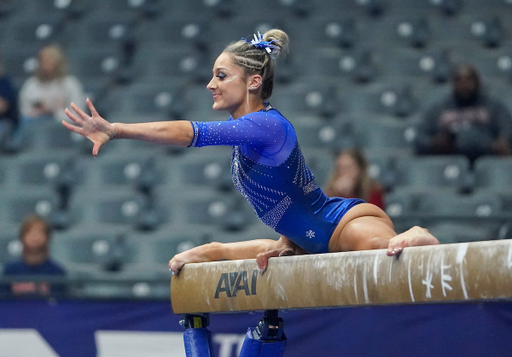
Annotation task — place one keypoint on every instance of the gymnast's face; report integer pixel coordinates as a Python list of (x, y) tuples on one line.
[(228, 86)]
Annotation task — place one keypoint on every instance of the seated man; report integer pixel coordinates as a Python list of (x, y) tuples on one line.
[(35, 234), (468, 122)]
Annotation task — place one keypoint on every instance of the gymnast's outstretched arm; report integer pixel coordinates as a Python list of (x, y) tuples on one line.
[(100, 131), (261, 249)]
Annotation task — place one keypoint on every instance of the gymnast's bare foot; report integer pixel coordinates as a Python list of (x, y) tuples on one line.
[(416, 236)]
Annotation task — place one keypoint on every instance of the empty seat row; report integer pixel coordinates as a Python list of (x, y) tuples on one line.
[(105, 46), (322, 20), (439, 204), (86, 250), (142, 165), (203, 194)]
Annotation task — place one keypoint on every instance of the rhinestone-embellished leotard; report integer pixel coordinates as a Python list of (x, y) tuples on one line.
[(268, 169)]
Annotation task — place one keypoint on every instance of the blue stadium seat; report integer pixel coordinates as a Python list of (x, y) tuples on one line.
[(5, 171), (69, 9), (155, 62), (494, 173), (226, 211), (211, 170), (35, 30), (445, 205), (152, 251), (401, 205), (433, 172), (255, 231), (332, 135), (307, 98), (415, 32), (8, 7), (381, 165), (19, 63), (88, 248), (48, 135), (17, 204), (179, 32), (326, 31), (135, 171), (427, 206), (117, 206), (49, 168), (139, 10), (96, 65), (105, 30), (148, 101), (463, 232), (10, 245), (384, 132), (355, 64), (431, 65)]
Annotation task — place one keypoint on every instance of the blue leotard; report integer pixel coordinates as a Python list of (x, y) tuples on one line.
[(268, 169)]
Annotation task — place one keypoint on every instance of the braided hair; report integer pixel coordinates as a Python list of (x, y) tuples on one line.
[(256, 60)]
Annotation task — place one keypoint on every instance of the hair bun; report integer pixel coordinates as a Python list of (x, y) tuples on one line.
[(280, 41)]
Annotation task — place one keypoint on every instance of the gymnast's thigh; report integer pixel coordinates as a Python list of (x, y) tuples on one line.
[(364, 226)]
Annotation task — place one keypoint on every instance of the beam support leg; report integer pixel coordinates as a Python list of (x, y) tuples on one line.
[(267, 339), (197, 337)]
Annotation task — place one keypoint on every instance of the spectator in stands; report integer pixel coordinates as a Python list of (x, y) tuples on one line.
[(468, 122), (35, 235), (350, 179), (51, 88), (8, 108)]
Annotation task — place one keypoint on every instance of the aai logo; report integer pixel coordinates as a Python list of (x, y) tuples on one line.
[(232, 283)]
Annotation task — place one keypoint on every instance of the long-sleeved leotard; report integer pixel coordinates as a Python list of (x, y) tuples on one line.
[(268, 169)]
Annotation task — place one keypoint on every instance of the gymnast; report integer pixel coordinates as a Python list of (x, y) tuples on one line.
[(268, 167)]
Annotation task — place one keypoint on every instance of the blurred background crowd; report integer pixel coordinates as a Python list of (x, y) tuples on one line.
[(404, 103)]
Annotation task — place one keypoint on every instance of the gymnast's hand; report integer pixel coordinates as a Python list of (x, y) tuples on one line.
[(285, 248), (93, 127), (195, 255), (176, 263)]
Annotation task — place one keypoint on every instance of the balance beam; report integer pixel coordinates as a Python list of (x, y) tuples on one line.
[(428, 274)]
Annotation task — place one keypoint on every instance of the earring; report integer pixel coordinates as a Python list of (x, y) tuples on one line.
[(252, 88)]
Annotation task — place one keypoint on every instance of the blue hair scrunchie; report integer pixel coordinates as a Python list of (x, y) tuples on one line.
[(259, 43)]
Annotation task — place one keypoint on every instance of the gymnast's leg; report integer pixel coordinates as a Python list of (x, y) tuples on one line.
[(366, 226)]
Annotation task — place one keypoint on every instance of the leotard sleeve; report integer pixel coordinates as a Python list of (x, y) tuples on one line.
[(265, 136)]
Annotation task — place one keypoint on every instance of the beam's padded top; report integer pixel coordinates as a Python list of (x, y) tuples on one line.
[(440, 273)]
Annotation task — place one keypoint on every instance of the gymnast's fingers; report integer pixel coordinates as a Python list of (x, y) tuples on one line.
[(80, 112), (74, 117), (262, 261), (93, 110), (174, 267), (287, 252), (71, 127)]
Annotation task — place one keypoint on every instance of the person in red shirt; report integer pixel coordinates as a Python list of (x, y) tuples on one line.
[(350, 179)]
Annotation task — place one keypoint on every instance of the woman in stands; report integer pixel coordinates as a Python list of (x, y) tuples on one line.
[(45, 94), (268, 167), (350, 179)]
